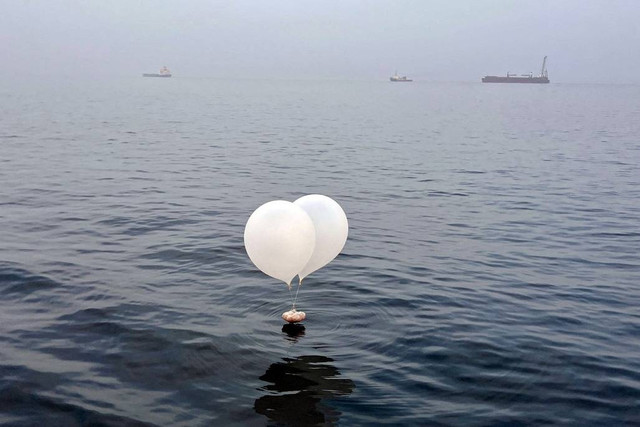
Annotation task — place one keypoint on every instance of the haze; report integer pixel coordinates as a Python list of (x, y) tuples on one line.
[(586, 41)]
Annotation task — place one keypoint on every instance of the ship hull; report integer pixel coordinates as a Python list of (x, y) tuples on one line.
[(498, 79), (156, 75), (400, 80)]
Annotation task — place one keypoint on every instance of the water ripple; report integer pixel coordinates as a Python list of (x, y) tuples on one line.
[(490, 276)]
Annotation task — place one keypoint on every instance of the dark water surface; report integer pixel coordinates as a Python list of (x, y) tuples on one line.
[(491, 276)]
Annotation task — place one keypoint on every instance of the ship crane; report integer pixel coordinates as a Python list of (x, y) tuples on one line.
[(543, 71)]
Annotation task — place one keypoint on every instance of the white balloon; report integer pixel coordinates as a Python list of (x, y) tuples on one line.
[(331, 227), (279, 238)]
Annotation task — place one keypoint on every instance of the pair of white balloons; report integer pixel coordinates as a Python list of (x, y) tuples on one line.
[(285, 239)]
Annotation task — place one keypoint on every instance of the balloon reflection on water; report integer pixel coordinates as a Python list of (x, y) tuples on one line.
[(300, 390)]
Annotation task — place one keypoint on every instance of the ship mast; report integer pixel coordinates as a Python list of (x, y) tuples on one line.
[(543, 71)]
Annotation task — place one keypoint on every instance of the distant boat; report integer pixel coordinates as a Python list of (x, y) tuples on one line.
[(522, 78), (397, 78), (164, 72)]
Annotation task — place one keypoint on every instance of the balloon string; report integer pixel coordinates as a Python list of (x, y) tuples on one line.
[(291, 296), (297, 290)]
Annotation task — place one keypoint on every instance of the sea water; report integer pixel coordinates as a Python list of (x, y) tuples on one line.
[(491, 275)]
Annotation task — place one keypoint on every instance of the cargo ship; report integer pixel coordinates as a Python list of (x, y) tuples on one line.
[(397, 78), (521, 78), (164, 72)]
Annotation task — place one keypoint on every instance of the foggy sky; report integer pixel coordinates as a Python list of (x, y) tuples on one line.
[(433, 40)]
